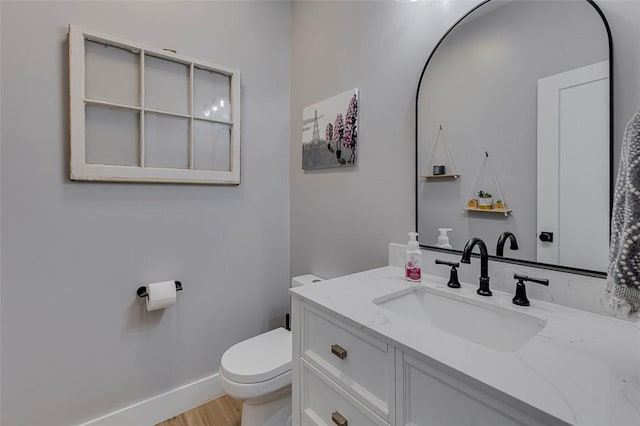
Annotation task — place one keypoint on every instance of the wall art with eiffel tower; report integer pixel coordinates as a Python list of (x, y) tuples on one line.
[(330, 132)]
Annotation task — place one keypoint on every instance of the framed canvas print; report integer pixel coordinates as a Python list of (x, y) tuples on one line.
[(330, 132)]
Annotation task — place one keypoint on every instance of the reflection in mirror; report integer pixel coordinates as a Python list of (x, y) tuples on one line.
[(515, 100)]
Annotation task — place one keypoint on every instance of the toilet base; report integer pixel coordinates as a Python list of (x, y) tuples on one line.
[(270, 410)]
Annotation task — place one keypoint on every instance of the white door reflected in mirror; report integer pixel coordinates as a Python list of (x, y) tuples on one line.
[(573, 167)]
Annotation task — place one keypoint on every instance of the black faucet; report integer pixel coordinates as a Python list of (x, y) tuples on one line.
[(521, 292), (506, 235), (483, 290)]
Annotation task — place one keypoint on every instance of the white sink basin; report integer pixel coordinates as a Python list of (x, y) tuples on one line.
[(491, 326)]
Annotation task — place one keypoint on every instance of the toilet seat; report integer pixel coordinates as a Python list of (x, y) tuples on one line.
[(258, 359)]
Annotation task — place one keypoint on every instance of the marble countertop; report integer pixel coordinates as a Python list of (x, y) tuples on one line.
[(582, 368)]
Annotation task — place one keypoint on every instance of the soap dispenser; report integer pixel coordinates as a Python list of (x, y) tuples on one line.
[(443, 238), (413, 262)]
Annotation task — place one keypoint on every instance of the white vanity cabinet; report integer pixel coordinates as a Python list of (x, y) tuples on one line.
[(360, 359), (344, 376)]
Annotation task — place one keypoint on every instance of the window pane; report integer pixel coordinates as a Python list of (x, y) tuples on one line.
[(211, 144), (112, 74), (166, 85), (111, 136), (211, 95), (166, 141)]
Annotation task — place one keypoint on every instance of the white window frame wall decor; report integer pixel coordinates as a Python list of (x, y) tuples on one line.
[(81, 170)]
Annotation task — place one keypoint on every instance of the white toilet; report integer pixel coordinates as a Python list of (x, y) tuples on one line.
[(257, 371)]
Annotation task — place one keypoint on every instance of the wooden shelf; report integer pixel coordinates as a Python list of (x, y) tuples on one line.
[(448, 165), (449, 176), (475, 209)]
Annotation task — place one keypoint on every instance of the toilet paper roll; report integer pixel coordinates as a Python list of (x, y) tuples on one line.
[(160, 295)]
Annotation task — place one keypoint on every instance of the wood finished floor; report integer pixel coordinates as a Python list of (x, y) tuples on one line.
[(223, 411)]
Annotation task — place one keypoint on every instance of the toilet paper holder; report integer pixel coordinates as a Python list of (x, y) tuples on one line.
[(142, 291)]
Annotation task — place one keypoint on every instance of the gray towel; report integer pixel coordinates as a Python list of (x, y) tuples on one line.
[(622, 293)]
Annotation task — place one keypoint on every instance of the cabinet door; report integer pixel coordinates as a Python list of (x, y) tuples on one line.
[(430, 397)]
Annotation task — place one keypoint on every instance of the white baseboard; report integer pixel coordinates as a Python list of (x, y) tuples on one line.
[(164, 406)]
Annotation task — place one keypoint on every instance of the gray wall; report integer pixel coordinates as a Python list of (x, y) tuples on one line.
[(624, 19), (76, 341), (342, 220), (482, 86)]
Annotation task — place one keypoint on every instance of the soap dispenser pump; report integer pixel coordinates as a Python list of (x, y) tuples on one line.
[(413, 264), (443, 238)]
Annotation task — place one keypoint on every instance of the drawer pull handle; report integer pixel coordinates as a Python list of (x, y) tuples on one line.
[(338, 419), (339, 351)]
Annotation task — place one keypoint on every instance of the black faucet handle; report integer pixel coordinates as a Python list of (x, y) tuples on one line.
[(444, 262), (520, 297), (542, 281), (453, 275)]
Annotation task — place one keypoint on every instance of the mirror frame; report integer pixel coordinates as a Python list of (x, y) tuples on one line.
[(592, 273)]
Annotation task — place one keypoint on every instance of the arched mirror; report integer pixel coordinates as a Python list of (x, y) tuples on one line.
[(513, 133)]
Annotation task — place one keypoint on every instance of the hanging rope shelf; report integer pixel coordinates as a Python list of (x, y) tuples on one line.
[(438, 171), (484, 203)]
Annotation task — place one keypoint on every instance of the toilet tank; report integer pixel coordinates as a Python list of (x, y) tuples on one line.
[(304, 280)]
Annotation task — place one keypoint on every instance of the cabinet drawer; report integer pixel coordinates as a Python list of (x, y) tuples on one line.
[(326, 403), (361, 364)]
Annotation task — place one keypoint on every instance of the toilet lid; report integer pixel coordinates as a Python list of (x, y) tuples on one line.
[(258, 359)]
